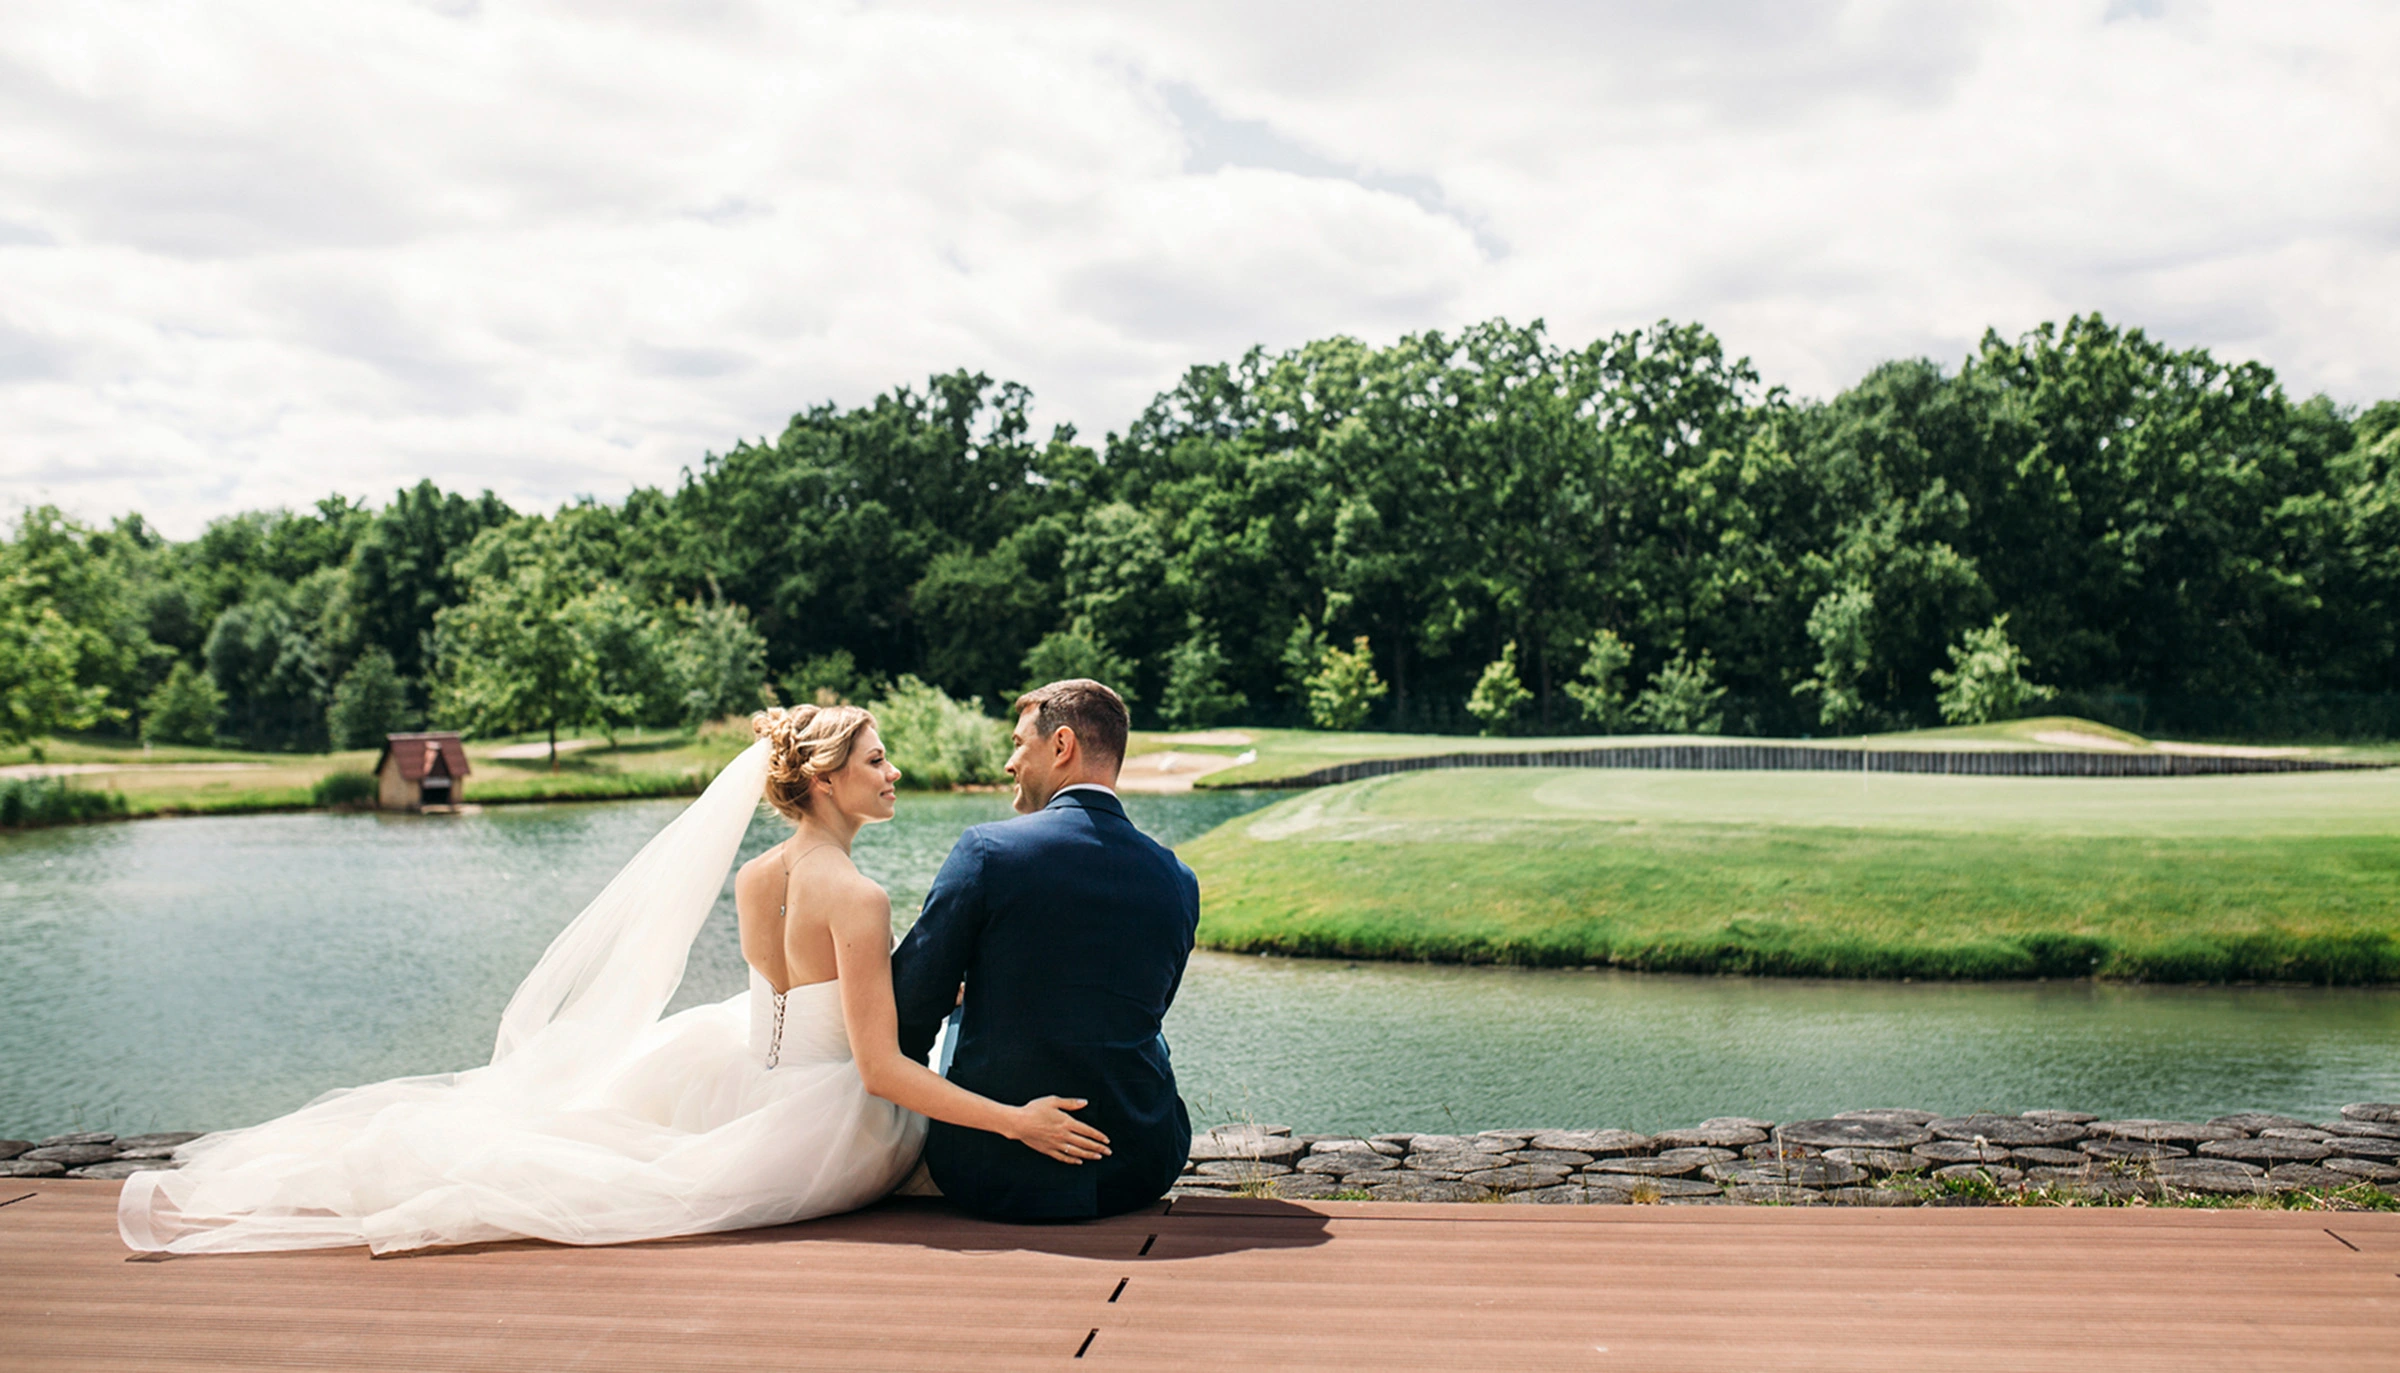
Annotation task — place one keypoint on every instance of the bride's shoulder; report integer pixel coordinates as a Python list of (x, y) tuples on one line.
[(845, 880), (845, 892), (766, 867)]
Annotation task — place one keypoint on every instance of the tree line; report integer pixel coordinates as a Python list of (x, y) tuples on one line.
[(1485, 529)]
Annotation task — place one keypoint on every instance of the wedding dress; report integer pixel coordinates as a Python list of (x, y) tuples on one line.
[(596, 1121)]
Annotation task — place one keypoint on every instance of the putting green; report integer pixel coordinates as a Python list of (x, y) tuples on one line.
[(2280, 878), (1452, 803)]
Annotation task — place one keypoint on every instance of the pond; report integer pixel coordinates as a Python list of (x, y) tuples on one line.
[(204, 973)]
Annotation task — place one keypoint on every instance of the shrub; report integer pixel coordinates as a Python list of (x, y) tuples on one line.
[(1682, 698), (345, 789), (1500, 694), (1344, 687), (1987, 680), (937, 742), (184, 709), (27, 802), (1196, 695), (1599, 688)]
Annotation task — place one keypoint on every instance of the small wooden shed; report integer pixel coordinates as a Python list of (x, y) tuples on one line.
[(420, 772)]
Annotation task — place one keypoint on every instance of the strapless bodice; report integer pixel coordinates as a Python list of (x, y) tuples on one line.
[(804, 1025)]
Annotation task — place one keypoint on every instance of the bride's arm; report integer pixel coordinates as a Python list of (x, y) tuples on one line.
[(860, 920)]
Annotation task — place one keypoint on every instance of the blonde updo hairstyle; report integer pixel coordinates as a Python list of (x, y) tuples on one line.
[(805, 743)]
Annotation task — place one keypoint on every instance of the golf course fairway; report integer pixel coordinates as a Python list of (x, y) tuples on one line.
[(2275, 878)]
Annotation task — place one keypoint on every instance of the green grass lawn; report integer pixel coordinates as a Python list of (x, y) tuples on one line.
[(203, 781), (2271, 878)]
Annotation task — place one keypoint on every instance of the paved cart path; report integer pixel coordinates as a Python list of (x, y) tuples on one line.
[(1248, 1284)]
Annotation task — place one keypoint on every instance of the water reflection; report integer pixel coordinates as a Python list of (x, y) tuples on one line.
[(1336, 1046), (200, 973)]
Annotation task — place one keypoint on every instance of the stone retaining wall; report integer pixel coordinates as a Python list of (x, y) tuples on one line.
[(1802, 758), (92, 1155), (1884, 1157), (1888, 1157)]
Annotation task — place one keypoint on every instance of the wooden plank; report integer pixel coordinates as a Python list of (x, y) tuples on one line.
[(1223, 1283)]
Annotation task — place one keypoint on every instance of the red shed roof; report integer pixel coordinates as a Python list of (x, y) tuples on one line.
[(420, 755)]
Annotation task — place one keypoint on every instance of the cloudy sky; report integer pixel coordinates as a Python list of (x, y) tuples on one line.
[(252, 251)]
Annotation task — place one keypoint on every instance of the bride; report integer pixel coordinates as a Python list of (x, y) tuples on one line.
[(597, 1121)]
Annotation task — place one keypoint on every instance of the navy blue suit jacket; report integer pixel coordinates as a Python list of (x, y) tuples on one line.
[(1071, 929)]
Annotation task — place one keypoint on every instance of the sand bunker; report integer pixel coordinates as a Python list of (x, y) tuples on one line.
[(1170, 771), (2075, 738)]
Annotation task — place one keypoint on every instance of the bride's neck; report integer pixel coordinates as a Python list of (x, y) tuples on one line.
[(837, 829)]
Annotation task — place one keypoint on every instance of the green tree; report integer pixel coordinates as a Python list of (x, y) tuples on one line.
[(1986, 680), (368, 703), (184, 709), (719, 662), (400, 569), (827, 533), (1683, 697), (2160, 520), (1344, 689), (523, 651), (71, 642), (1840, 626), (271, 673), (634, 661), (40, 655), (830, 679), (1117, 589), (2158, 524), (1196, 695), (1303, 657), (1599, 686), (979, 611), (1500, 695), (1078, 652)]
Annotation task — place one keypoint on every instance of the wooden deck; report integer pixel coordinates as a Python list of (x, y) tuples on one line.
[(1252, 1285)]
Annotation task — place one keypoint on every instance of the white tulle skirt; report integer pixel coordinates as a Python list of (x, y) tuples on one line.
[(689, 1135)]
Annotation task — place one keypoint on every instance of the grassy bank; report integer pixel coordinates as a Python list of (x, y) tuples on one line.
[(1286, 753), (199, 781), (2266, 878)]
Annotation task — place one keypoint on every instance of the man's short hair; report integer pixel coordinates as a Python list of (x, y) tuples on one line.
[(1096, 714)]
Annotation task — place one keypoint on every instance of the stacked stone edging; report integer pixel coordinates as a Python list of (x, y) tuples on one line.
[(1879, 1157), (93, 1154), (1883, 1157), (1803, 758)]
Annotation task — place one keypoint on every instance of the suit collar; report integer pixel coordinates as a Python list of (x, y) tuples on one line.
[(1087, 798)]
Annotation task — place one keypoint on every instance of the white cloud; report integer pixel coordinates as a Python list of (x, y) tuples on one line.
[(253, 252)]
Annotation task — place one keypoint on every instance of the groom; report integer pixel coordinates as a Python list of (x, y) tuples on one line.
[(1070, 929)]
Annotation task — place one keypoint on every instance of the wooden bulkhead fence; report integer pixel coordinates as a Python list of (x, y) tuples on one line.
[(1736, 757)]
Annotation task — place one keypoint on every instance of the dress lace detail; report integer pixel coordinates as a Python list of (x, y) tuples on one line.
[(775, 1036)]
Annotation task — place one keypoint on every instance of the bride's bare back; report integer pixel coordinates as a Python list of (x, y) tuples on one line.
[(785, 931)]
